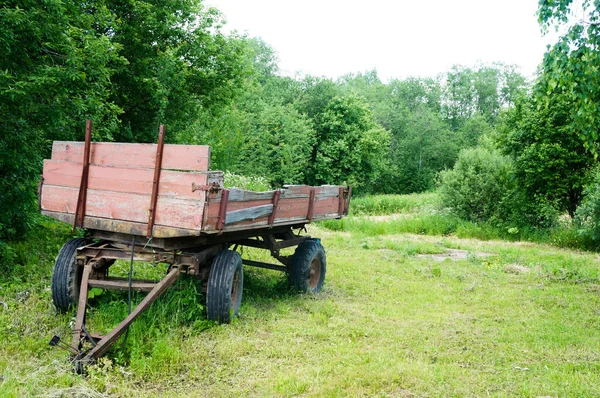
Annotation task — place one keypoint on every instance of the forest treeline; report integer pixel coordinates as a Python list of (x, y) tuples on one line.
[(500, 148)]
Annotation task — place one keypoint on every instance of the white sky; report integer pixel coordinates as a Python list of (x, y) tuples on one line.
[(399, 38)]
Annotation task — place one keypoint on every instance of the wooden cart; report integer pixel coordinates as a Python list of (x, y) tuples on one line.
[(160, 203)]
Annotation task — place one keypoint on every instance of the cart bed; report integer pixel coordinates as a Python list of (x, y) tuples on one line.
[(191, 200)]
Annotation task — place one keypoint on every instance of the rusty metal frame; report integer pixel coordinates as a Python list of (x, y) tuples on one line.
[(273, 245), (276, 196), (97, 257), (104, 343), (81, 307), (83, 185), (156, 181), (311, 205), (261, 264), (223, 210)]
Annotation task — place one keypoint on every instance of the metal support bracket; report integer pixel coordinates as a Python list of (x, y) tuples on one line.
[(103, 344), (223, 210), (276, 196)]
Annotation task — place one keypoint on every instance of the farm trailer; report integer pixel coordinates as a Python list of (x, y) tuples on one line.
[(160, 203)]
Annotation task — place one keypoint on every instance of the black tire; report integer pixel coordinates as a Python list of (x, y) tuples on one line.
[(307, 267), (66, 276), (225, 286)]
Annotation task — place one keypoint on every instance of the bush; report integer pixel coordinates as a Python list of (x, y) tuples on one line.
[(378, 205), (257, 184), (478, 185), (587, 216)]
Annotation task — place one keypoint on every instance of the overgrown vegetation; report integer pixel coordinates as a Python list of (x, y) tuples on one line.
[(440, 167), (401, 314)]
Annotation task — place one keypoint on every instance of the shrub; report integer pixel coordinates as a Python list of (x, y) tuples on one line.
[(587, 216), (258, 184), (476, 188)]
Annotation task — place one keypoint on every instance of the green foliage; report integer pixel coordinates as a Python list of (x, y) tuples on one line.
[(54, 74), (424, 147), (476, 188), (279, 145), (472, 130), (588, 213), (570, 67), (482, 90), (257, 184), (350, 146), (550, 160), (125, 65), (177, 62), (377, 205)]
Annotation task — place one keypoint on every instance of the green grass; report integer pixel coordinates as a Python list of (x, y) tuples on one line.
[(395, 318), (422, 214), (391, 204)]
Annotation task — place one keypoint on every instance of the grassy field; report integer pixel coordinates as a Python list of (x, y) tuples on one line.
[(402, 314)]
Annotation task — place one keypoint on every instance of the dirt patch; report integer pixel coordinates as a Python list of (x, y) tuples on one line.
[(455, 254)]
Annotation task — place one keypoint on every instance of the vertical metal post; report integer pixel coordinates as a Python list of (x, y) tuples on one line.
[(81, 306), (156, 180), (82, 198), (223, 209), (311, 205), (276, 196)]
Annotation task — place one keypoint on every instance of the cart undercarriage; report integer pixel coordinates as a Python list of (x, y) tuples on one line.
[(85, 264)]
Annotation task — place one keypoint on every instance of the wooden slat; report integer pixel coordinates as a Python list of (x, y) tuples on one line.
[(124, 227), (117, 154), (172, 183), (251, 213), (171, 212), (287, 210)]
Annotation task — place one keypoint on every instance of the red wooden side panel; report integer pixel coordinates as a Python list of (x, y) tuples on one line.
[(175, 157), (292, 206), (170, 212), (172, 183)]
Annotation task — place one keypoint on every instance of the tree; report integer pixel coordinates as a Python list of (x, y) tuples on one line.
[(570, 67), (483, 90), (350, 145), (278, 146), (550, 160), (423, 148), (178, 62), (54, 73)]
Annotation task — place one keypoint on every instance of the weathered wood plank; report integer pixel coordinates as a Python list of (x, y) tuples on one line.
[(179, 213), (287, 210), (251, 213), (117, 154), (123, 227), (172, 183)]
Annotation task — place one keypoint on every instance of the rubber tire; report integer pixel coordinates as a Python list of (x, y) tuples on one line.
[(300, 267), (66, 276), (221, 305)]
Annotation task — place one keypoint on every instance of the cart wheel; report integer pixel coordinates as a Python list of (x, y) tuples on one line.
[(66, 276), (225, 283), (307, 267)]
